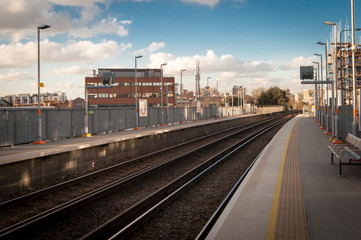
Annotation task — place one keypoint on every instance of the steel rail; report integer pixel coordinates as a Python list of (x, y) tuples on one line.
[(129, 218), (93, 195), (112, 168)]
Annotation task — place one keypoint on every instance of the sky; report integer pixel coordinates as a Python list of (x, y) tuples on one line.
[(249, 43)]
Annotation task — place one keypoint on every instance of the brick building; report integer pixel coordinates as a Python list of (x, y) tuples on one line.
[(122, 92)]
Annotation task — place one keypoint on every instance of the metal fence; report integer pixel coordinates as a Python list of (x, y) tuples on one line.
[(20, 125)]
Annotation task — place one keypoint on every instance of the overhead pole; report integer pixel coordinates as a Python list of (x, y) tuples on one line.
[(355, 124)]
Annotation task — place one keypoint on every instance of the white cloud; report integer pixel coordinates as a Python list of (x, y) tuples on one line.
[(105, 26), (69, 85), (73, 70), (14, 75), (228, 65), (154, 46), (299, 61), (209, 3), (78, 3), (19, 18), (25, 54)]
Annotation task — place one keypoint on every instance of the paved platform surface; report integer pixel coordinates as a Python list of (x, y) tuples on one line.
[(293, 192)]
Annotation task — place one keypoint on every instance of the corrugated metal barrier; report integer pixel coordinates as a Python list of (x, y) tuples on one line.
[(20, 125)]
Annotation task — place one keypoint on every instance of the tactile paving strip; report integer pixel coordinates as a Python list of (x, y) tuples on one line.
[(291, 220)]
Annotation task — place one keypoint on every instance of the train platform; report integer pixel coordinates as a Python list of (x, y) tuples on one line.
[(23, 152), (293, 192)]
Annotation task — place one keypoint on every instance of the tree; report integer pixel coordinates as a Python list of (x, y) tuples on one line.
[(257, 92), (273, 96)]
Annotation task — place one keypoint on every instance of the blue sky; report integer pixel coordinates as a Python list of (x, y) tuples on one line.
[(253, 43)]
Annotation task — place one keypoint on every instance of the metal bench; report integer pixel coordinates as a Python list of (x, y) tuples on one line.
[(348, 152)]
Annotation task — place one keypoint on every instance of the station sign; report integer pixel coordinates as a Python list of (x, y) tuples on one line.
[(306, 72), (143, 108)]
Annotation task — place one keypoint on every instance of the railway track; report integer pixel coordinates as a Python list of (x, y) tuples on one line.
[(132, 182)]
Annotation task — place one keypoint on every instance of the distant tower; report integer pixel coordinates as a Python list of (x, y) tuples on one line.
[(198, 79)]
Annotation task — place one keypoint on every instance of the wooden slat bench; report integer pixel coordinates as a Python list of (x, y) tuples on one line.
[(348, 152)]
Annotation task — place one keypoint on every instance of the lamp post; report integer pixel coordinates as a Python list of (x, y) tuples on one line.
[(322, 97), (41, 27), (316, 98), (161, 91), (336, 121), (181, 95), (181, 83), (328, 124), (355, 124), (136, 93), (207, 87)]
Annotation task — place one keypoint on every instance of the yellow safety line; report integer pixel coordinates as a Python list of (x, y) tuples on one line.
[(274, 208)]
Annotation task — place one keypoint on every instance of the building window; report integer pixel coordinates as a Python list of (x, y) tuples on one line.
[(156, 84), (103, 95), (125, 95), (125, 84), (92, 95), (138, 94), (91, 84), (114, 95), (168, 84), (156, 94), (147, 94), (147, 84)]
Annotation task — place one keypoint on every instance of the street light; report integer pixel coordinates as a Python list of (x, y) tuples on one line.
[(316, 99), (181, 95), (328, 125), (161, 91), (322, 97), (181, 83), (355, 124), (207, 87), (336, 121), (41, 27), (136, 93)]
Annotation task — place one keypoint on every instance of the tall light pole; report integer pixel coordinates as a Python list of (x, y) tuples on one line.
[(328, 124), (336, 121), (161, 91), (316, 98), (355, 125), (207, 87), (136, 93), (322, 97), (181, 83), (41, 27), (181, 94)]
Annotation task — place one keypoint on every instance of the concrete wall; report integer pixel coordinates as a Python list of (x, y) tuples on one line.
[(48, 170)]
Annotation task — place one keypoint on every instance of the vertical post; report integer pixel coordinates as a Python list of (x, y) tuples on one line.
[(136, 93), (39, 112), (86, 115), (161, 91), (166, 100), (337, 120), (329, 124), (353, 49)]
